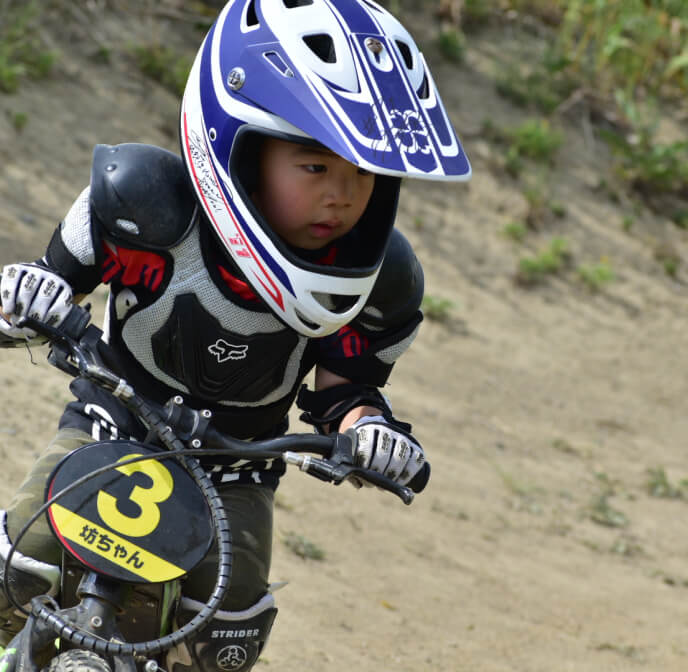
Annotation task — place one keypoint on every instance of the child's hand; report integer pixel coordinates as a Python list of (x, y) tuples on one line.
[(31, 290), (387, 449)]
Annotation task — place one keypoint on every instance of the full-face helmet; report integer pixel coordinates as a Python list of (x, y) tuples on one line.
[(341, 73)]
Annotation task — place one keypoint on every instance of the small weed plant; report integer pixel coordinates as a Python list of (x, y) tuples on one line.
[(542, 87), (550, 261), (475, 14), (452, 44), (22, 53), (596, 276), (517, 231), (541, 207), (680, 218), (164, 65), (536, 139), (18, 120), (602, 512), (650, 167), (669, 257), (658, 485), (302, 547), (436, 308), (627, 223)]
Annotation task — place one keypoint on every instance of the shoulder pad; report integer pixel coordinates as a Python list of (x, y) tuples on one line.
[(140, 194), (398, 290)]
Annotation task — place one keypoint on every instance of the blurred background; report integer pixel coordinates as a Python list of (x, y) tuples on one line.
[(548, 382)]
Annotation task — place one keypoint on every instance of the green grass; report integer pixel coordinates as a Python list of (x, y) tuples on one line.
[(22, 52), (618, 59), (302, 547), (596, 276), (436, 308), (601, 46), (658, 485), (536, 139), (18, 120), (629, 45), (603, 513), (475, 14), (627, 223), (516, 231), (549, 261), (669, 257), (542, 87), (164, 65), (533, 140), (648, 166), (540, 206), (452, 44)]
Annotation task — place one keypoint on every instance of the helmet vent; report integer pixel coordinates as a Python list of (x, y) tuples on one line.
[(311, 325), (336, 303), (405, 52), (372, 6), (277, 62), (322, 46), (291, 4), (251, 16), (424, 90)]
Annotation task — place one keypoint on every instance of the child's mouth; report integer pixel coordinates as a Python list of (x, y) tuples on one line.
[(324, 229)]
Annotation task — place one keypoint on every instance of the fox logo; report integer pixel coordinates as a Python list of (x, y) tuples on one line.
[(224, 351)]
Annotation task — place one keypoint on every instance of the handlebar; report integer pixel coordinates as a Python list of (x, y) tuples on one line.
[(72, 352)]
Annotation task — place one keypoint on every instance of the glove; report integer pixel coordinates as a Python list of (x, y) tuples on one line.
[(33, 291), (387, 449)]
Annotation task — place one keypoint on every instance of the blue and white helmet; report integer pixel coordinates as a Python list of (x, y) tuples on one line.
[(343, 73)]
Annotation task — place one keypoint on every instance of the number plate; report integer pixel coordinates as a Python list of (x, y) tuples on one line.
[(143, 522)]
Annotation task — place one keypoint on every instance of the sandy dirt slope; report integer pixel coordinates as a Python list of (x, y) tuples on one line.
[(537, 545)]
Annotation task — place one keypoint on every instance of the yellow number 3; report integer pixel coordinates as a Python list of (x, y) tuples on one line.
[(146, 498)]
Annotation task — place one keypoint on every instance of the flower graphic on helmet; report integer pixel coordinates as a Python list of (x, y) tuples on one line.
[(410, 132)]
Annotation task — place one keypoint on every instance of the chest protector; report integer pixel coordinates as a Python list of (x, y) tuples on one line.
[(215, 363)]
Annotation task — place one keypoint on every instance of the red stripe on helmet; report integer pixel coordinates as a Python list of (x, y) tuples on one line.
[(276, 295)]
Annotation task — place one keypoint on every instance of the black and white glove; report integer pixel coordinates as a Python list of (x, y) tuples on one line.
[(29, 290), (387, 449)]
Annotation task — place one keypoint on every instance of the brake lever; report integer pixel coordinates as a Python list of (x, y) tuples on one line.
[(65, 352), (328, 471), (68, 354)]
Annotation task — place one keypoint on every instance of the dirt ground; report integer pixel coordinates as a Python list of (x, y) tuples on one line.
[(546, 412)]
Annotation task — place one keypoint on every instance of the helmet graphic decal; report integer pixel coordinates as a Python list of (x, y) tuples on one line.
[(210, 190)]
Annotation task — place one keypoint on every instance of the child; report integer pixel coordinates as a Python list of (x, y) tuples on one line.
[(264, 253)]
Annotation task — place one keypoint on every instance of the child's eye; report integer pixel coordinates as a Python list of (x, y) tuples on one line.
[(315, 168), (363, 171)]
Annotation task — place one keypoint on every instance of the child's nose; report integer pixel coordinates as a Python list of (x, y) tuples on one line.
[(341, 189)]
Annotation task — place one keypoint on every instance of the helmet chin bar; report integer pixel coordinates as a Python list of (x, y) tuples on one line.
[(329, 321)]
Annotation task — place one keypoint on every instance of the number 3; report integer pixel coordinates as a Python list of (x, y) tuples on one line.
[(146, 498)]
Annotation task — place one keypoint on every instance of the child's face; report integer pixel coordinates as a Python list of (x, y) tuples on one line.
[(308, 195)]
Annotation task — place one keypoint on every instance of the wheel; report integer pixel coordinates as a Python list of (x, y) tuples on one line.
[(76, 660)]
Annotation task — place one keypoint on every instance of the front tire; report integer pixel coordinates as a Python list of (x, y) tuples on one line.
[(76, 660)]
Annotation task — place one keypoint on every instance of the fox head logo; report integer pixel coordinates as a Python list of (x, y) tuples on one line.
[(225, 351)]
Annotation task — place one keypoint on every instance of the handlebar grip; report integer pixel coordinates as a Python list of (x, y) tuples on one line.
[(420, 480), (78, 318)]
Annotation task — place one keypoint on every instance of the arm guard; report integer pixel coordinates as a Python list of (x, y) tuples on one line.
[(366, 350), (329, 406)]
